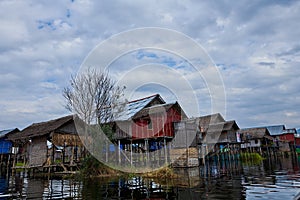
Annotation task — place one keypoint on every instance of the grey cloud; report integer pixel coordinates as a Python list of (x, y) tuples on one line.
[(291, 51), (48, 41)]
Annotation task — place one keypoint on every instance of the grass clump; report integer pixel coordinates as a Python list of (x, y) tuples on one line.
[(162, 173)]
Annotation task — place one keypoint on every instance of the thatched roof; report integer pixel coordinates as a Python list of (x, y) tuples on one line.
[(6, 133), (42, 128), (157, 109), (208, 120), (230, 125), (254, 133), (222, 126)]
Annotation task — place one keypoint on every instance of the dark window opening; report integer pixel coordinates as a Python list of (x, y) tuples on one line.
[(149, 124)]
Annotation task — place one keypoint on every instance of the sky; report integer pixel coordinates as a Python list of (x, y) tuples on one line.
[(254, 45)]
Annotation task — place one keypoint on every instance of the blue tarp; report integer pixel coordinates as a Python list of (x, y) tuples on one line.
[(112, 148), (5, 146)]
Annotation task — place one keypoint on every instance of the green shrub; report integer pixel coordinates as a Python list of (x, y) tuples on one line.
[(251, 158), (92, 167)]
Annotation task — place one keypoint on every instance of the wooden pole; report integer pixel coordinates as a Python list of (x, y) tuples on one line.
[(131, 153), (165, 148), (1, 162), (119, 151)]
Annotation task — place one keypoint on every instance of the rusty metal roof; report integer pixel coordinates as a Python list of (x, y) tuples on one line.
[(160, 108), (133, 107)]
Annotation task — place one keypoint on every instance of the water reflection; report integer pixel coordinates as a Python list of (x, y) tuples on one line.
[(271, 179)]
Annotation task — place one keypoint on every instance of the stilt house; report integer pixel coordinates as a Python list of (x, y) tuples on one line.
[(256, 139), (6, 145), (284, 138), (205, 134), (47, 143), (147, 121), (147, 125), (217, 133)]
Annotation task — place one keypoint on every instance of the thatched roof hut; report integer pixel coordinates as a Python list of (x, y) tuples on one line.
[(34, 140), (208, 120), (255, 133), (59, 131)]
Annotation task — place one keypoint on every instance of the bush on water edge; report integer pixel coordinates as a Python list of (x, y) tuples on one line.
[(251, 158), (92, 167)]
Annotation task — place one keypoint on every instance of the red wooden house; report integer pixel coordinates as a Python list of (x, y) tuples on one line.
[(146, 122), (156, 121), (284, 138), (288, 135)]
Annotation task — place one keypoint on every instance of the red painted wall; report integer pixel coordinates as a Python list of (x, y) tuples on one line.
[(162, 125), (287, 137)]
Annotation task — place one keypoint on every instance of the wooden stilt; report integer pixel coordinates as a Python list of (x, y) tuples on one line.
[(131, 153), (165, 150), (119, 151)]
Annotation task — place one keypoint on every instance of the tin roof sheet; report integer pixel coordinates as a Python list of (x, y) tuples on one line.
[(133, 107)]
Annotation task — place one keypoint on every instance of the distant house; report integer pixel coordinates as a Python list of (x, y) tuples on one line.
[(288, 135), (256, 138), (40, 143), (6, 148), (297, 141), (5, 143), (209, 133), (284, 138), (216, 132)]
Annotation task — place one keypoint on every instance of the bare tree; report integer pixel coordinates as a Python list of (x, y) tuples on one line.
[(93, 96)]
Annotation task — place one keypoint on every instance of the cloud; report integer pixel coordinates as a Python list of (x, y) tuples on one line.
[(255, 45)]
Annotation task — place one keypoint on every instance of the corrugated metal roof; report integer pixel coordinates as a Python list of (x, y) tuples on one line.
[(290, 130), (276, 130), (133, 107)]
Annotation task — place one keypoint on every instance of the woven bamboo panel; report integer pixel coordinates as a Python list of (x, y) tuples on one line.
[(66, 139), (182, 152), (184, 157)]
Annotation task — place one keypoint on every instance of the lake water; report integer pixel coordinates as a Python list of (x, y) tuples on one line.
[(270, 179)]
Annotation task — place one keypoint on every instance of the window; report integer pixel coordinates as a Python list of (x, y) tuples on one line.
[(149, 124)]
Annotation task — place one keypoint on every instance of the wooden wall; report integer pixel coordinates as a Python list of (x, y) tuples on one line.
[(162, 125), (37, 151)]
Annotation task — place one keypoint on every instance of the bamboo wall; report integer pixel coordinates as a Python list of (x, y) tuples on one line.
[(37, 151), (183, 157)]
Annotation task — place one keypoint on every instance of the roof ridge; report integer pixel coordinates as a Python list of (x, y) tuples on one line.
[(158, 105), (11, 129), (143, 98), (210, 115), (51, 120)]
